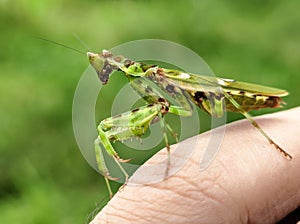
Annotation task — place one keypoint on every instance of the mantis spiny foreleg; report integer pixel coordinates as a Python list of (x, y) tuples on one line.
[(122, 127)]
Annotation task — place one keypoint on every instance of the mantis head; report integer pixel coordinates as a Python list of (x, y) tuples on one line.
[(106, 63), (103, 64)]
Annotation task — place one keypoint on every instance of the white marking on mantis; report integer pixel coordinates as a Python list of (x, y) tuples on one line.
[(263, 98), (225, 82), (250, 95), (184, 76), (235, 92)]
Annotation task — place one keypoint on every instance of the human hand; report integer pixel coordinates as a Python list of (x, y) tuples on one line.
[(248, 182)]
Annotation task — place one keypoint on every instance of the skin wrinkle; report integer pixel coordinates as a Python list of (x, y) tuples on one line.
[(225, 194), (207, 197), (248, 218), (179, 196), (226, 199), (289, 201), (270, 208), (179, 193), (270, 215), (166, 213), (147, 215), (244, 210), (187, 181), (153, 208), (123, 212), (253, 187), (116, 207), (208, 190), (124, 217), (276, 205), (209, 193)]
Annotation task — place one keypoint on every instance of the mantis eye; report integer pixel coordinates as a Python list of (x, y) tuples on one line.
[(103, 69), (96, 61)]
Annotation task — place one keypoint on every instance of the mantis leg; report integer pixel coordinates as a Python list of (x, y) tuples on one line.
[(121, 127), (134, 124), (255, 124), (153, 95)]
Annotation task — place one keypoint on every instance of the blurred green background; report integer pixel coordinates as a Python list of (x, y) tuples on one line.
[(43, 177)]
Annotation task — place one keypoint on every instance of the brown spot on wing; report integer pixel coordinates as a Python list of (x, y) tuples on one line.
[(170, 88)]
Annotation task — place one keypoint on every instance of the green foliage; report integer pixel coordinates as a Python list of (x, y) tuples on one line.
[(44, 178)]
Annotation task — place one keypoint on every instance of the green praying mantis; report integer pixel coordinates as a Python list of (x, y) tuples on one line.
[(184, 89)]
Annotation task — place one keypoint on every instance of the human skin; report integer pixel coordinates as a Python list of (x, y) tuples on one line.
[(248, 182)]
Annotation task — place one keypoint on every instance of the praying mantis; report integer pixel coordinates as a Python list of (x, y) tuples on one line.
[(183, 89)]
